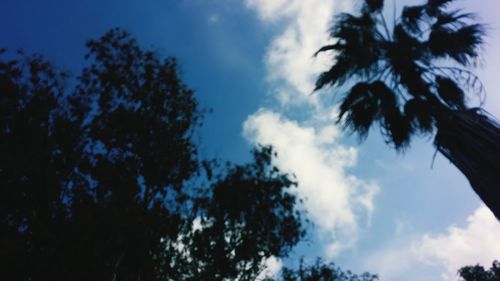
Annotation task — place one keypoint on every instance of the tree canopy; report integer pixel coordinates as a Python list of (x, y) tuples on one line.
[(102, 180), (478, 273), (321, 271)]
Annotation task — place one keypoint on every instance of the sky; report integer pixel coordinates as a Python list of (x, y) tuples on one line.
[(251, 62)]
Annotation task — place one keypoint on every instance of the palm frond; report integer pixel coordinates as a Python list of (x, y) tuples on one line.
[(450, 92), (462, 45), (420, 115), (357, 50), (405, 55), (395, 125), (412, 17), (385, 96), (396, 128), (366, 103), (411, 45), (358, 110), (327, 48), (454, 19), (337, 75), (373, 6), (346, 23), (435, 7)]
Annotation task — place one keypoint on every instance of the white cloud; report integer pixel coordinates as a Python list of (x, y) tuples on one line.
[(272, 267), (477, 242), (268, 10), (335, 201), (291, 66), (409, 256), (393, 263)]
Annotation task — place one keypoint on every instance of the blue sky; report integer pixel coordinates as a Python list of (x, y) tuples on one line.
[(251, 62)]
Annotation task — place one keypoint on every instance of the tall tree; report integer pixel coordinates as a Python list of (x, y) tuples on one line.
[(103, 181), (414, 78)]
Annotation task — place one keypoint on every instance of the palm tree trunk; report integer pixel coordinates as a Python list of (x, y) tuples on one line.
[(471, 141)]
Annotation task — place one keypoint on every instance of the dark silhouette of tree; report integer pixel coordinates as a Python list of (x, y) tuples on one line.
[(414, 79), (247, 218), (478, 273), (102, 180), (321, 271)]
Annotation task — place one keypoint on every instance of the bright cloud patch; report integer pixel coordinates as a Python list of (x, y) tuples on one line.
[(290, 56), (475, 243), (478, 242), (334, 200), (272, 267)]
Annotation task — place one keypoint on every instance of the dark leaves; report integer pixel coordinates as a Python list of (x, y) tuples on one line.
[(327, 48), (395, 124), (338, 74), (420, 115), (366, 103), (233, 224), (461, 44), (404, 52), (409, 59), (479, 273), (356, 50), (452, 20), (450, 92), (320, 271), (435, 7), (412, 18), (104, 182), (372, 6), (359, 109)]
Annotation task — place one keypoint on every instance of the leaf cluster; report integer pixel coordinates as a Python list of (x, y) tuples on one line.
[(397, 74), (320, 271), (479, 273)]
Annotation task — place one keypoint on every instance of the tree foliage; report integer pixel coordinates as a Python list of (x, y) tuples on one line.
[(401, 67), (102, 180), (320, 271), (478, 273), (412, 78)]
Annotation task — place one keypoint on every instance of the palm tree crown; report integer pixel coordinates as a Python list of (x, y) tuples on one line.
[(412, 78), (402, 81)]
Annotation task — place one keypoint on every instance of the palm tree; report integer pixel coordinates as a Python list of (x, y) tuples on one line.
[(415, 79)]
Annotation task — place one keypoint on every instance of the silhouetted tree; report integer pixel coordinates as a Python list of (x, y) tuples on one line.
[(321, 271), (412, 80), (247, 218), (478, 273), (103, 182)]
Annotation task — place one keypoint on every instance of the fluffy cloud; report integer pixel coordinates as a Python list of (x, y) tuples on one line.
[(290, 59), (476, 242), (335, 201)]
